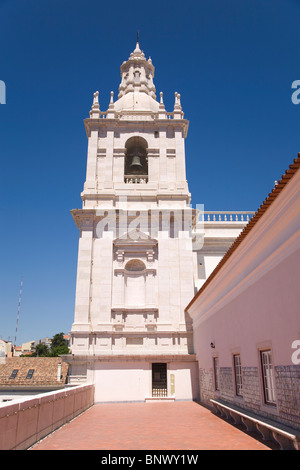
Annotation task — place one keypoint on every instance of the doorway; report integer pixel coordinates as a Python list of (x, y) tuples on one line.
[(159, 379)]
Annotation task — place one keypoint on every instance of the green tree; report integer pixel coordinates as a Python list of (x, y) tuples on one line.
[(41, 350), (59, 345), (59, 350)]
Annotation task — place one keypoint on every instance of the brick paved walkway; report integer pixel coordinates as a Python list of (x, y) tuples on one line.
[(150, 426)]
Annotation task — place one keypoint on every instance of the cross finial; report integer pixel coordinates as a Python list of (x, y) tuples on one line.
[(138, 37)]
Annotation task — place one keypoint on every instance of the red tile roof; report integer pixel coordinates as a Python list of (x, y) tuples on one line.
[(45, 372)]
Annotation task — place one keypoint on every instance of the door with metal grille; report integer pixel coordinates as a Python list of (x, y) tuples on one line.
[(159, 380)]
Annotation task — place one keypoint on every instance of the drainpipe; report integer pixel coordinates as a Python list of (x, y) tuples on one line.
[(59, 372)]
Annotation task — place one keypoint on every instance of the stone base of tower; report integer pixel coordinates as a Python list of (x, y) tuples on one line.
[(137, 378)]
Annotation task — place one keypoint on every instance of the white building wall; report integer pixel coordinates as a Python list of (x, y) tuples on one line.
[(252, 305), (134, 380)]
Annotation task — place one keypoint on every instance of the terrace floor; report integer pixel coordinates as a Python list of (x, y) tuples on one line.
[(151, 426)]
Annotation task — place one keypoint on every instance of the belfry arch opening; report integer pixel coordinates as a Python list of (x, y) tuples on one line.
[(136, 160)]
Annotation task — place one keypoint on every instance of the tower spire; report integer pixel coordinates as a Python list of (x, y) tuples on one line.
[(137, 73)]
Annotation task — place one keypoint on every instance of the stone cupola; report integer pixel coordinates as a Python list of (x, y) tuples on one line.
[(137, 74), (137, 90)]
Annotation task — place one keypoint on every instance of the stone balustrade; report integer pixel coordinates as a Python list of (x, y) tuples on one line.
[(134, 116), (225, 216), (129, 179)]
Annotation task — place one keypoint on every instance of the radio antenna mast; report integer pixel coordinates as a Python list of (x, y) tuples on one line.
[(18, 314)]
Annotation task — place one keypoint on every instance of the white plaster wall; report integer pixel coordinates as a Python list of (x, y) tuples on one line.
[(122, 381), (132, 380), (253, 301), (186, 380), (266, 314)]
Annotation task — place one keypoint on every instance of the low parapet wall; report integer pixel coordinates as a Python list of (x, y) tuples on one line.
[(25, 421)]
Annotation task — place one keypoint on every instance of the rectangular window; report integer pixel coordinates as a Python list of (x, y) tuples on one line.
[(14, 374), (268, 377), (30, 374), (238, 375), (216, 373)]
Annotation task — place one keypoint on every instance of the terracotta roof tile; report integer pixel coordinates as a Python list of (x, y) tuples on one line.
[(45, 372)]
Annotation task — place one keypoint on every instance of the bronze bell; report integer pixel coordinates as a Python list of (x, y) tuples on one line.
[(136, 163)]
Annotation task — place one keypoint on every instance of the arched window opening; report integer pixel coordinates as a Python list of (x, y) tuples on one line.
[(136, 161)]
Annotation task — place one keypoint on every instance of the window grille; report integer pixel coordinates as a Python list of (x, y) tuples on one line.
[(159, 380)]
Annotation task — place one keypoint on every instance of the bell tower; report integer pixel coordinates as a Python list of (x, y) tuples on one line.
[(136, 141), (135, 256)]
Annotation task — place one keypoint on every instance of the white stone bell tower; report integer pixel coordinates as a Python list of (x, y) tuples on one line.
[(135, 276)]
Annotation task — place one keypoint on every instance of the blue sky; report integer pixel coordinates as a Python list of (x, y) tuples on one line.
[(232, 61)]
